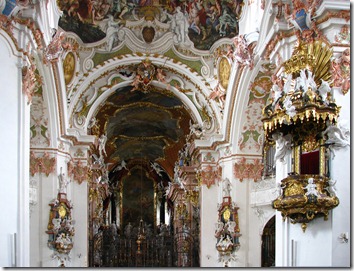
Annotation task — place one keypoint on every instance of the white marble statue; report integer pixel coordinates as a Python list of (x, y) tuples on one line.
[(300, 83), (102, 145), (70, 224), (289, 107), (311, 188), (56, 223), (111, 32), (283, 144), (219, 226), (122, 165), (224, 242), (180, 25), (310, 82), (155, 166), (331, 188), (168, 189), (196, 129), (176, 178), (226, 187), (231, 226), (63, 182), (323, 90), (277, 89), (98, 160), (337, 136)]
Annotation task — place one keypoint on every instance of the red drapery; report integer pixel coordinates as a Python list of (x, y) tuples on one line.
[(310, 163)]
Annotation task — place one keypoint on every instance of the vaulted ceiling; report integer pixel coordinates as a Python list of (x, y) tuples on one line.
[(150, 126)]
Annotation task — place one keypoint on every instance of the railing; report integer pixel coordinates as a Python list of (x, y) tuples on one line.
[(113, 250), (154, 250)]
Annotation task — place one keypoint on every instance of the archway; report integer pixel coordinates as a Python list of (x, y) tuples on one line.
[(140, 134), (268, 244)]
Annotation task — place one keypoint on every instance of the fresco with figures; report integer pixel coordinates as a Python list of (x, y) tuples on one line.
[(204, 22)]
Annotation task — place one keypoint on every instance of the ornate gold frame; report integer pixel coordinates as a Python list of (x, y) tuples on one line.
[(301, 208)]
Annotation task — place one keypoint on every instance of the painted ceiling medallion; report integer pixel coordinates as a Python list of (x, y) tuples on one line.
[(69, 67), (224, 71)]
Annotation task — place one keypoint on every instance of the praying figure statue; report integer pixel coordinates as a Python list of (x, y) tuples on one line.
[(226, 187)]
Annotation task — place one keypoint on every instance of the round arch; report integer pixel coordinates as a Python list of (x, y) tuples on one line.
[(193, 90)]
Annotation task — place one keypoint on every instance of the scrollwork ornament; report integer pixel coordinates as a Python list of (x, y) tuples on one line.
[(88, 64)]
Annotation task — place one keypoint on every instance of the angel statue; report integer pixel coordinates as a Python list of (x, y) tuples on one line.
[(219, 227), (311, 188), (337, 136), (196, 129), (155, 166), (282, 146), (323, 90), (122, 165), (331, 188), (289, 107), (102, 145)]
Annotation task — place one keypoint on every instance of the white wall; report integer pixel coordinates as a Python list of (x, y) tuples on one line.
[(312, 247), (79, 198), (14, 166), (208, 218), (48, 193), (340, 172)]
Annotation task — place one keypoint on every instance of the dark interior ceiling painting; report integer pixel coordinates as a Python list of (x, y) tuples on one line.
[(140, 126)]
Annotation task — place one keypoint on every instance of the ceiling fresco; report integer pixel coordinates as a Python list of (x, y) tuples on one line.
[(8, 8), (205, 22), (143, 126)]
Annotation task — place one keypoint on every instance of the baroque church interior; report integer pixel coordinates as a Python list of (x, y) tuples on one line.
[(175, 133)]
